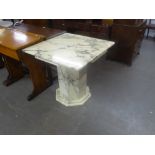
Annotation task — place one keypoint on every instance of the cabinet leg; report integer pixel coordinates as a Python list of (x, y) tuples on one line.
[(15, 70), (38, 74), (1, 62)]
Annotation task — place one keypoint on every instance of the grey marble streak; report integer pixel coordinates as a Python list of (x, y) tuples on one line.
[(70, 50)]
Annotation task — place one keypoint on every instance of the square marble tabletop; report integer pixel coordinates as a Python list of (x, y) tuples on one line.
[(70, 50), (70, 53)]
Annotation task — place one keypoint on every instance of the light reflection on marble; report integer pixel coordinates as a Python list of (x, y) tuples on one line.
[(71, 54), (70, 50)]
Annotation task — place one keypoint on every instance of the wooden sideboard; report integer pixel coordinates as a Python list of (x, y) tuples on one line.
[(128, 35), (87, 27)]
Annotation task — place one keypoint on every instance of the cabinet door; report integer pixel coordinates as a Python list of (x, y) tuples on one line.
[(58, 23)]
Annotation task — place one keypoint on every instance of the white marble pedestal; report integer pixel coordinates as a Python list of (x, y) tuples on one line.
[(73, 89), (71, 54)]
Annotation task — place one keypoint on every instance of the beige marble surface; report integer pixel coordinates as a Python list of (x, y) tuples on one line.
[(70, 50), (71, 54)]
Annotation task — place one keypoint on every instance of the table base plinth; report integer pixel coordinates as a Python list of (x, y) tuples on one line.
[(71, 102)]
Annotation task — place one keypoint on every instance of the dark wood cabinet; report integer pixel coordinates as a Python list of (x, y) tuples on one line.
[(37, 22), (128, 21), (87, 27), (58, 23), (128, 35)]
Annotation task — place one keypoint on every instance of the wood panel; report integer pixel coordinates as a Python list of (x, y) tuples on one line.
[(46, 32), (1, 62), (16, 40), (10, 53), (37, 22), (15, 70), (128, 21), (39, 73), (88, 27)]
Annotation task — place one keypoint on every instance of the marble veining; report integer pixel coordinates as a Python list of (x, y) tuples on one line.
[(73, 89), (70, 50), (71, 54)]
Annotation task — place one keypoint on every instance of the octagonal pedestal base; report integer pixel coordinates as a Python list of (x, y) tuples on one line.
[(71, 102)]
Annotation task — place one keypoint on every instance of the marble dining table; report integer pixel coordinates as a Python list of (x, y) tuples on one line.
[(71, 53)]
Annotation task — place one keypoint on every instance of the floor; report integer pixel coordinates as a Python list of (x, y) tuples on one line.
[(122, 102)]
